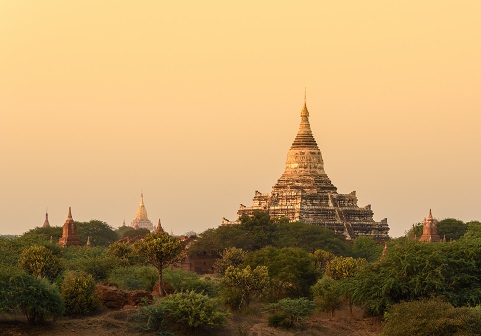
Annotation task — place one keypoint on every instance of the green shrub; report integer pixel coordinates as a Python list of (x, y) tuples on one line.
[(184, 281), (35, 297), (431, 317), (280, 321), (78, 292), (150, 318), (134, 277), (39, 261), (289, 312), (194, 309)]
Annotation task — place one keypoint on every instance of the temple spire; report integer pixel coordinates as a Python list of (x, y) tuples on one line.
[(46, 223), (69, 212)]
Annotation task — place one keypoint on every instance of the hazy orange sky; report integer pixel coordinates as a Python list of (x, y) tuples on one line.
[(197, 103)]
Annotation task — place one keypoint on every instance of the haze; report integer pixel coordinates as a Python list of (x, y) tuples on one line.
[(196, 104)]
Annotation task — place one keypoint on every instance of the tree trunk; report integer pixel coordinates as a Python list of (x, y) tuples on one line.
[(161, 290)]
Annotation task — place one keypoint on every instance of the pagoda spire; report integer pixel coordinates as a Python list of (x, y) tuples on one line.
[(46, 223), (69, 212)]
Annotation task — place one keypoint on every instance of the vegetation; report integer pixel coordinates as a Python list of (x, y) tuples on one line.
[(241, 284), (40, 262), (326, 294), (161, 251), (36, 298), (428, 317), (77, 291), (287, 313)]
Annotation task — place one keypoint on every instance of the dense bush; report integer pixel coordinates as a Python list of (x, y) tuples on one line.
[(194, 309), (150, 318), (288, 312), (40, 261), (35, 297), (134, 277), (431, 317), (78, 292), (184, 281)]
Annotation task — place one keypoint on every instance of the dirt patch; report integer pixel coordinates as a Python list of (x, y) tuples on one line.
[(254, 323)]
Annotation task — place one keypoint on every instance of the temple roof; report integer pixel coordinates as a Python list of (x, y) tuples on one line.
[(304, 138)]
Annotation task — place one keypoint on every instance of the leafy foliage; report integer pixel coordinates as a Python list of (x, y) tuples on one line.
[(259, 230), (230, 257), (122, 251), (366, 248), (291, 270), (428, 317), (243, 283), (134, 277), (160, 250), (40, 262), (289, 312), (78, 292), (326, 294), (343, 267), (184, 281), (92, 260), (194, 309), (35, 297), (412, 270), (100, 233), (451, 228)]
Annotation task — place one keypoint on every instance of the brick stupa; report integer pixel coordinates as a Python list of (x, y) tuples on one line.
[(305, 193), (430, 229), (69, 232)]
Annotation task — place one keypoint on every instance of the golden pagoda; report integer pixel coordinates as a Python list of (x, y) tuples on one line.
[(141, 220)]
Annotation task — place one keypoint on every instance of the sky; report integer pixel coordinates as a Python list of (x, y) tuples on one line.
[(196, 103)]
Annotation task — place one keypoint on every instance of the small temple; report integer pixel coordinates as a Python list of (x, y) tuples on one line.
[(141, 220), (69, 232), (430, 230), (305, 193), (46, 223), (159, 228)]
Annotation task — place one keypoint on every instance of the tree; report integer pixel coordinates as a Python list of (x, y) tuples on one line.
[(341, 268), (290, 269), (367, 248), (321, 258), (128, 231), (451, 228), (100, 233), (326, 294), (40, 261), (230, 257), (260, 228), (122, 251), (160, 250), (243, 283), (308, 237)]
